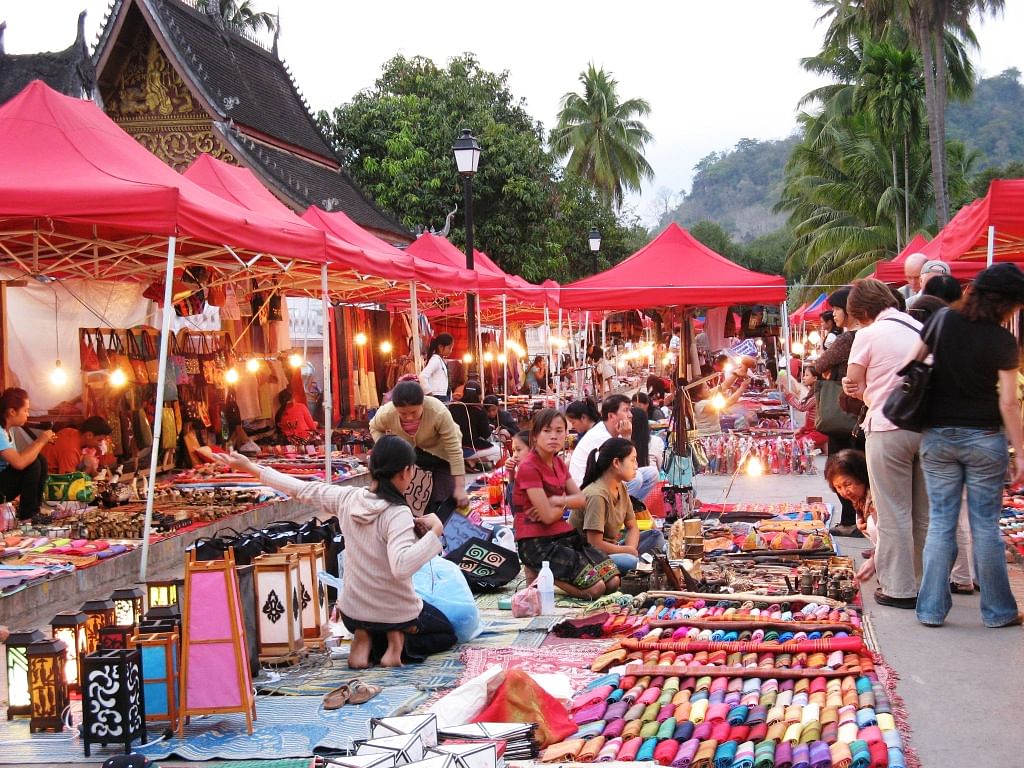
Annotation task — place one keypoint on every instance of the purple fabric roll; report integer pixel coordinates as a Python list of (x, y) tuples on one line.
[(685, 754), (821, 755), (614, 728)]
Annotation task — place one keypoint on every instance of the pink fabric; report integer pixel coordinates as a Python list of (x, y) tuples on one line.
[(882, 348)]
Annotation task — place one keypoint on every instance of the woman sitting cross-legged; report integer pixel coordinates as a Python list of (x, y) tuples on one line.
[(384, 547), (543, 491), (607, 521), (22, 473)]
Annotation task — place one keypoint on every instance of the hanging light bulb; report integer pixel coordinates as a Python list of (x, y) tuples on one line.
[(502, 358), (295, 360), (798, 348), (754, 467), (58, 376), (728, 367), (385, 347), (118, 378), (360, 338), (488, 357), (252, 365), (467, 358), (718, 401), (814, 337), (231, 376)]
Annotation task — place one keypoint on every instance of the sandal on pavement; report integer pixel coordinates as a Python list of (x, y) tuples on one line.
[(895, 602), (337, 698), (961, 589), (362, 692)]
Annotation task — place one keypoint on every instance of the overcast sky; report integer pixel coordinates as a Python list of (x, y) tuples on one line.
[(713, 73)]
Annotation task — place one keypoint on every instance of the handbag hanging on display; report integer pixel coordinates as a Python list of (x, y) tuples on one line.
[(86, 351), (907, 404), (137, 356), (118, 358)]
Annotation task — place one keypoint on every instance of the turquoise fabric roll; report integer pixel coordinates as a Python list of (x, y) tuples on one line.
[(725, 754), (646, 751), (860, 753)]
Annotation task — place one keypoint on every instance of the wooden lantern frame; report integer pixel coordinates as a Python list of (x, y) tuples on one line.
[(16, 669), (277, 585), (313, 595), (128, 606), (165, 593), (101, 614), (70, 628), (113, 699), (47, 685), (160, 651)]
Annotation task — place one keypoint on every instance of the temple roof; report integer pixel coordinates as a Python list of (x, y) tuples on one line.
[(69, 71), (251, 93)]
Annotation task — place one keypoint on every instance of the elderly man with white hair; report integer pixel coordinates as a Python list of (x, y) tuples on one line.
[(912, 273)]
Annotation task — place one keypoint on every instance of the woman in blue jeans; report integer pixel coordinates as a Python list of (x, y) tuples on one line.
[(972, 412), (608, 522)]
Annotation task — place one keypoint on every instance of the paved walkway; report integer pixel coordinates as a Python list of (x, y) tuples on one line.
[(961, 682)]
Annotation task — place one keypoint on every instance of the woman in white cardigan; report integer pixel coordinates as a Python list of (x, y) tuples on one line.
[(434, 376)]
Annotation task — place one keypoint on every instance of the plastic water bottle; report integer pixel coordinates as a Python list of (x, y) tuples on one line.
[(546, 588)]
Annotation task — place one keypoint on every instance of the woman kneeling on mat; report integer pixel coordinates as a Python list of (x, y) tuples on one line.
[(543, 491), (384, 547)]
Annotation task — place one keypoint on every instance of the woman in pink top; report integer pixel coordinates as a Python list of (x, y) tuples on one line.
[(293, 418), (543, 491)]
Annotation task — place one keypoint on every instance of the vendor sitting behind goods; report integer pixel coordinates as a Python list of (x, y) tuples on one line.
[(472, 421), (22, 473), (501, 420), (82, 449), (708, 413), (293, 418), (425, 423)]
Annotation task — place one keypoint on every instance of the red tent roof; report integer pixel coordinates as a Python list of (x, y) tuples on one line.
[(66, 161), (674, 269), (892, 271)]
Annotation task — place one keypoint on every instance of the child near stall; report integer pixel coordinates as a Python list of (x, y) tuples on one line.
[(520, 448), (808, 405), (543, 490)]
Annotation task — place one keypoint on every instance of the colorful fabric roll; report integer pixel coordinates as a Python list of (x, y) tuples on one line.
[(683, 731), (866, 717), (698, 709), (650, 730), (590, 730), (632, 729), (629, 749), (801, 756), (717, 713), (649, 696), (633, 713), (776, 731), (744, 755), (830, 732), (783, 755), (702, 732), (793, 731), (591, 750), (886, 721), (860, 754), (613, 729), (892, 739), (879, 754), (609, 751), (646, 751), (896, 759), (758, 714), (820, 755), (562, 752), (764, 755), (841, 755), (725, 754), (685, 755), (720, 731), (739, 733), (666, 752), (705, 754), (758, 733), (617, 710), (667, 729), (811, 732), (847, 732), (738, 715), (665, 711)]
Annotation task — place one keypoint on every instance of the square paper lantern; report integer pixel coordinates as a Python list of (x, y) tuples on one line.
[(313, 595), (424, 726), (115, 638), (373, 760), (150, 626), (407, 748), (127, 606), (19, 698), (69, 628), (159, 675), (480, 755), (101, 614), (47, 686), (164, 593), (278, 587), (113, 705), (434, 761)]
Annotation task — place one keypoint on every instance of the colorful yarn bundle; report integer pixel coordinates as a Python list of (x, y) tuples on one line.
[(696, 704)]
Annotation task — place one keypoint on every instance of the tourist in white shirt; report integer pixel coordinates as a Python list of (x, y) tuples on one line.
[(614, 409), (434, 376)]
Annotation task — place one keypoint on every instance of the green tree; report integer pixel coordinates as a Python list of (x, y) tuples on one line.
[(396, 140), (240, 17), (603, 137)]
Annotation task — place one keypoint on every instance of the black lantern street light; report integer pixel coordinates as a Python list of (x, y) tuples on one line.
[(595, 244), (467, 158)]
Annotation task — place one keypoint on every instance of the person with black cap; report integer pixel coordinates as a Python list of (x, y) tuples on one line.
[(472, 421), (500, 419), (973, 416), (831, 364)]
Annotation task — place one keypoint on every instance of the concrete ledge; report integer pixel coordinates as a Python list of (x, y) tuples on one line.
[(36, 605)]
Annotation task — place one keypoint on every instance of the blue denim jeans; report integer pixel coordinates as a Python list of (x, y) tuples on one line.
[(953, 457), (650, 541), (641, 485)]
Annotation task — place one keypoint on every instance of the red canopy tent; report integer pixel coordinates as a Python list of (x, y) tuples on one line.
[(674, 269), (812, 311), (892, 271)]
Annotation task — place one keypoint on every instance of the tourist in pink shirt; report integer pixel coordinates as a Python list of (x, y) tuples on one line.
[(885, 342)]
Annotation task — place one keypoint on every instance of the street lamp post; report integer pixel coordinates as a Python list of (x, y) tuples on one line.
[(595, 244), (467, 158)]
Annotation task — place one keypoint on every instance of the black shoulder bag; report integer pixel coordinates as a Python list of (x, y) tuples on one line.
[(907, 405)]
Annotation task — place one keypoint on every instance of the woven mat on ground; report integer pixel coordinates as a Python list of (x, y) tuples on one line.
[(318, 674), (291, 762), (570, 659), (291, 727)]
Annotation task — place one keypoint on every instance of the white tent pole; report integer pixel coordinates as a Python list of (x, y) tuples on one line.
[(504, 346), (415, 324), (328, 389), (480, 348), (158, 413), (991, 246), (558, 365), (305, 335), (547, 339)]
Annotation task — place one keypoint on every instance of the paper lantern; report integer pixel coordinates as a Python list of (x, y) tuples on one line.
[(164, 592), (113, 703), (151, 626), (406, 748), (19, 699), (278, 589), (480, 755), (101, 614), (47, 686), (373, 760), (159, 652), (424, 726), (313, 594), (115, 638), (127, 606), (69, 628)]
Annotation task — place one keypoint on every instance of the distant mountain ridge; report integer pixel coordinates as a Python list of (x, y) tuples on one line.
[(737, 188)]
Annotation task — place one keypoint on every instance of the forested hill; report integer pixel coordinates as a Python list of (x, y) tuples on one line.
[(737, 189), (992, 122)]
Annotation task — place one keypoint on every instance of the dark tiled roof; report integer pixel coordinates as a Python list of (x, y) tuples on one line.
[(310, 183), (243, 81), (69, 71)]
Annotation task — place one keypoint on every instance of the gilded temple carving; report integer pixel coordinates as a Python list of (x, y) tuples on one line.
[(153, 104)]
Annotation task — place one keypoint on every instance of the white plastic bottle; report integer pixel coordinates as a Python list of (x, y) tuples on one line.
[(546, 588)]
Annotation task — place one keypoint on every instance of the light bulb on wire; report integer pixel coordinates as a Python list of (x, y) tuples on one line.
[(754, 467), (385, 347), (58, 376), (360, 339), (467, 358), (118, 378), (252, 365), (718, 401), (798, 347), (231, 376), (488, 357), (502, 359), (814, 337), (295, 360)]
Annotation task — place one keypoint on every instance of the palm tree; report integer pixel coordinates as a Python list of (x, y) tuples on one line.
[(603, 137), (239, 17)]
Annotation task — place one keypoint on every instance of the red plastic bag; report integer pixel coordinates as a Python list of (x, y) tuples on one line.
[(520, 700)]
